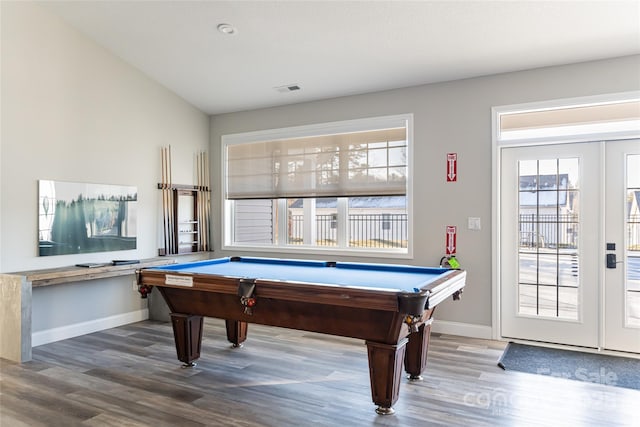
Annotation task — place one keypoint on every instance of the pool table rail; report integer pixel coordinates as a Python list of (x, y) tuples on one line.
[(315, 293)]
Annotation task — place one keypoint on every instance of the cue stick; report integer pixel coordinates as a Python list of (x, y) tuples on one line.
[(164, 222), (164, 200), (172, 206), (200, 201), (205, 224), (207, 199), (169, 203), (203, 230), (167, 192)]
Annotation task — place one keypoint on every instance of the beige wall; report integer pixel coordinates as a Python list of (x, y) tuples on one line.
[(71, 111), (448, 117)]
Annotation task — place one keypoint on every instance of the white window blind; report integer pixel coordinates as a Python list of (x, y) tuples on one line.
[(595, 119), (363, 163), (572, 116)]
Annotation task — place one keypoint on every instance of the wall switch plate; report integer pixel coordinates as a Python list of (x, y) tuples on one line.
[(473, 223)]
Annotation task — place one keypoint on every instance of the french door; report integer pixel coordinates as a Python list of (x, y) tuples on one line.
[(622, 237), (567, 211)]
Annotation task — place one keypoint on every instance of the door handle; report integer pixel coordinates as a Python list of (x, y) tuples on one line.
[(611, 261)]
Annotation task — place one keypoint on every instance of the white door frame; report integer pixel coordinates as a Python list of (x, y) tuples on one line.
[(497, 144)]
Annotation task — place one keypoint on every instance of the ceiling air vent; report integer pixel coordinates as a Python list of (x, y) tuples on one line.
[(287, 88)]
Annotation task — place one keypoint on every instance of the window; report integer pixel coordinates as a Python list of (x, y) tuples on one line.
[(614, 119), (339, 186)]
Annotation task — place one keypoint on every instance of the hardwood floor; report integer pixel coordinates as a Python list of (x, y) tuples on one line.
[(129, 376)]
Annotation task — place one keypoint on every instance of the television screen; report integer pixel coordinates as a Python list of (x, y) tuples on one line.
[(77, 218)]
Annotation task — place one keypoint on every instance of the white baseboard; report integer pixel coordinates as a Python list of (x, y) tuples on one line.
[(461, 329), (77, 329)]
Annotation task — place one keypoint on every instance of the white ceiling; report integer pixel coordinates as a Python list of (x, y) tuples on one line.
[(337, 48)]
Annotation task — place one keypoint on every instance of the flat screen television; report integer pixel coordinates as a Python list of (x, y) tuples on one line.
[(76, 218)]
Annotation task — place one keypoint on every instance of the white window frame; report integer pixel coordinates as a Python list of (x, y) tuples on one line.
[(226, 220)]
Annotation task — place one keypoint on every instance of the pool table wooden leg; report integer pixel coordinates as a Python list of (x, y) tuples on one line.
[(415, 359), (236, 332), (187, 332), (385, 373)]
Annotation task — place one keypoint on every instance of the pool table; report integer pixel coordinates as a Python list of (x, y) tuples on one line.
[(389, 306)]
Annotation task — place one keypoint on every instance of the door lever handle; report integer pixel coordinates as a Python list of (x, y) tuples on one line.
[(611, 261)]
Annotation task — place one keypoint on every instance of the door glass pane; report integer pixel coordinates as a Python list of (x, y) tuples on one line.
[(568, 306), (548, 301), (528, 299), (547, 174), (568, 270), (633, 241), (547, 267), (528, 271), (548, 197)]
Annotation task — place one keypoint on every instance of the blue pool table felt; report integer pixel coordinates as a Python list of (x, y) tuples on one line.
[(381, 276)]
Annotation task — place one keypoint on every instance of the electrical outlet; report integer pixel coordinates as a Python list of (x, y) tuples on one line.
[(134, 284)]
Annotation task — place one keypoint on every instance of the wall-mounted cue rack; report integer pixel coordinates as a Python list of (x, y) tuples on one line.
[(185, 209)]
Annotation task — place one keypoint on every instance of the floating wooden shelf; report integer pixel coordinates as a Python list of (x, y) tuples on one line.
[(15, 317), (55, 276)]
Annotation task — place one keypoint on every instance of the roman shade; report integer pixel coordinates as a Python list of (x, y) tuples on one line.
[(363, 163), (571, 116)]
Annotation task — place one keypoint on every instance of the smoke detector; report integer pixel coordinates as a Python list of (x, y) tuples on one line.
[(227, 29)]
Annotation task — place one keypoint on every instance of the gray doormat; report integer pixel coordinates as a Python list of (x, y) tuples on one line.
[(574, 365)]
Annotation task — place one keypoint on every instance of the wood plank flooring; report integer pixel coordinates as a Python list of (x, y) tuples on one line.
[(129, 376)]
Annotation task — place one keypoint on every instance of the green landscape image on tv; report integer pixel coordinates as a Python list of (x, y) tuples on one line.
[(75, 218)]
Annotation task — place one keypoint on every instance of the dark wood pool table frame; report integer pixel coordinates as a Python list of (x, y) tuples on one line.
[(374, 315)]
